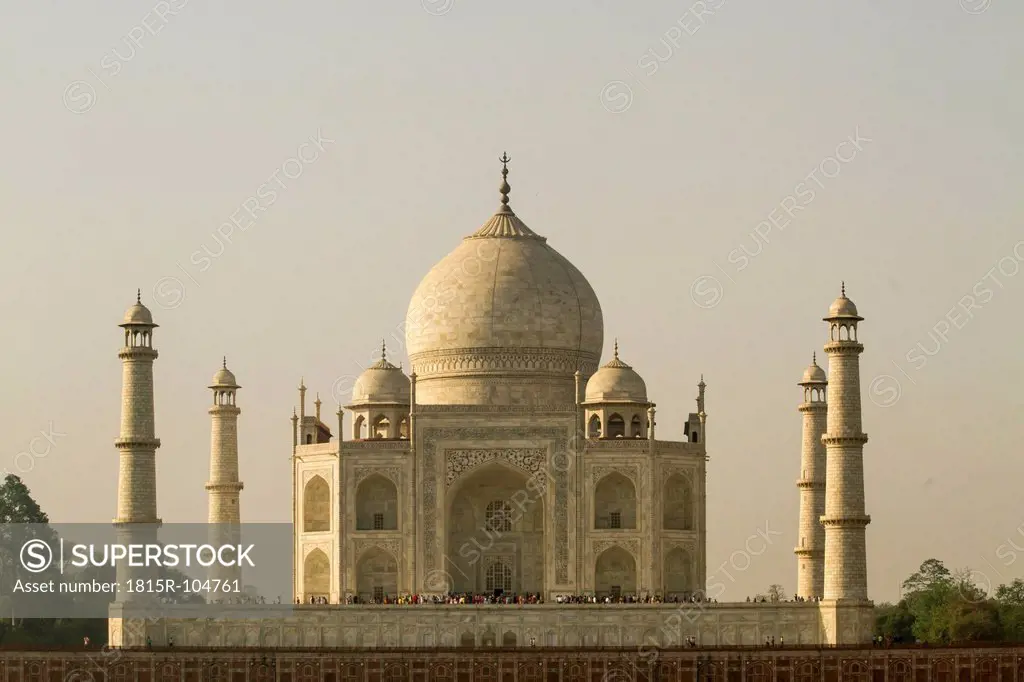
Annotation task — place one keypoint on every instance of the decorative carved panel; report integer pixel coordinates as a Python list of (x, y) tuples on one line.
[(631, 545), (598, 472), (324, 547), (529, 460), (394, 474), (394, 546), (308, 474)]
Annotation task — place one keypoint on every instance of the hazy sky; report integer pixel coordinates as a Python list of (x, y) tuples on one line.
[(648, 144)]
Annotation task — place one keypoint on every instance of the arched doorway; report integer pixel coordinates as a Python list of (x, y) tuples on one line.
[(615, 573), (376, 575), (678, 574), (495, 531), (316, 575)]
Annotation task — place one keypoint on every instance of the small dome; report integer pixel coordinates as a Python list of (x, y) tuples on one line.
[(843, 307), (814, 374), (138, 314), (224, 378), (381, 383), (616, 382)]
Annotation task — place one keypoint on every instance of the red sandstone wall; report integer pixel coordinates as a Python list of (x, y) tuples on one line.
[(988, 664)]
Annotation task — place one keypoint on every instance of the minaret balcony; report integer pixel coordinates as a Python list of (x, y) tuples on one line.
[(136, 443), (844, 347), (839, 521), (225, 487), (844, 438), (810, 483), (137, 352)]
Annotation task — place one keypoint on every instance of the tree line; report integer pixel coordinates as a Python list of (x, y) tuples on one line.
[(22, 520), (943, 607)]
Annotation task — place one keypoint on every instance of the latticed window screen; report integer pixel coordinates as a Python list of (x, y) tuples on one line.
[(499, 577), (498, 516)]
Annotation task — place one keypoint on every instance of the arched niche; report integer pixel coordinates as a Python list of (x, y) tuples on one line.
[(677, 503), (614, 502), (376, 575), (316, 506), (316, 575), (615, 573), (678, 573), (376, 504)]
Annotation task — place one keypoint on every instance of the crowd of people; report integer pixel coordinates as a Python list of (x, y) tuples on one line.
[(491, 598), (762, 599), (471, 598)]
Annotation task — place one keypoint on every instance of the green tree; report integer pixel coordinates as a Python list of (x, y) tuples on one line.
[(894, 621), (1010, 602), (22, 522), (932, 573)]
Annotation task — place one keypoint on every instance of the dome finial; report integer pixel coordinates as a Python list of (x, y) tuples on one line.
[(616, 349), (383, 350), (224, 362), (138, 296), (814, 358), (842, 289), (505, 188)]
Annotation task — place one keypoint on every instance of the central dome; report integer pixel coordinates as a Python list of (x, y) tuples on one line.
[(504, 319)]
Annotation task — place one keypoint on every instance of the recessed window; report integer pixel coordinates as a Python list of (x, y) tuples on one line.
[(378, 594), (378, 522), (615, 520), (498, 516)]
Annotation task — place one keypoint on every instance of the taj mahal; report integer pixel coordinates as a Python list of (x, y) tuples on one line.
[(511, 459)]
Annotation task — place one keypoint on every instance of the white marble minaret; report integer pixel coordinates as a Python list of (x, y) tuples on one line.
[(810, 550), (136, 520), (844, 520), (224, 487)]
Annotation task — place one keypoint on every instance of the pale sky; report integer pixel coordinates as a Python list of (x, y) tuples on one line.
[(647, 145)]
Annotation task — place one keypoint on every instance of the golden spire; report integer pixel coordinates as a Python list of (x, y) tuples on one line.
[(504, 188)]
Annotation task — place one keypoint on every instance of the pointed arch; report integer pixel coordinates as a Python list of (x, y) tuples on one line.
[(615, 502), (316, 575), (381, 427), (594, 427), (616, 426), (677, 503), (615, 572), (376, 504), (376, 575), (316, 505), (678, 574), (636, 426)]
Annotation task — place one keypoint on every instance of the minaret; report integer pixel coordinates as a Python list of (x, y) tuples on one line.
[(224, 487), (810, 551), (136, 521), (844, 520)]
